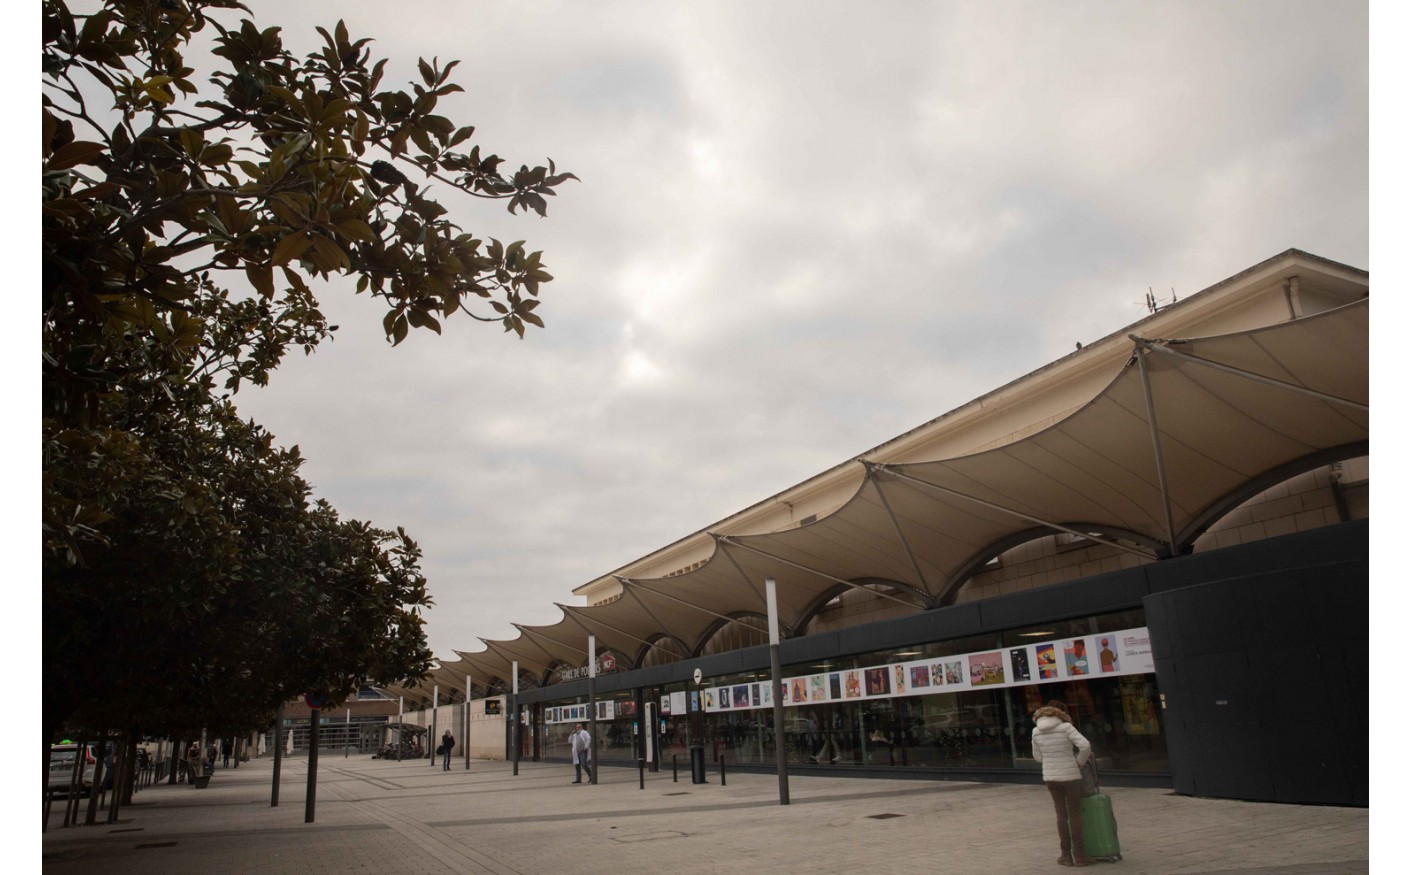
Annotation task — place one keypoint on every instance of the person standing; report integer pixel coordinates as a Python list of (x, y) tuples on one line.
[(193, 762), (1054, 741), (581, 744), (227, 746), (447, 744)]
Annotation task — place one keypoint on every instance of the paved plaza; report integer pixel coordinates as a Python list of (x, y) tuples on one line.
[(412, 817)]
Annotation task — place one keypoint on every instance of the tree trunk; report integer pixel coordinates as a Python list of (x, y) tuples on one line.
[(119, 774), (92, 816), (129, 774)]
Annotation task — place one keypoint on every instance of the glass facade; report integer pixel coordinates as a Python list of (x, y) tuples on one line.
[(967, 729)]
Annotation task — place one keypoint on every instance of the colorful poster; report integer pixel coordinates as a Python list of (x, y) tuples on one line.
[(1047, 662), (1106, 657), (920, 677), (954, 672), (1018, 660), (986, 669), (1074, 654), (878, 682), (852, 684), (1124, 653)]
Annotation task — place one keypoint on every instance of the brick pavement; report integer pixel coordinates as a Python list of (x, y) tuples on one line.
[(413, 817)]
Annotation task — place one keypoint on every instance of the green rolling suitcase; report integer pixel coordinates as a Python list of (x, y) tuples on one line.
[(1099, 828), (1099, 822)]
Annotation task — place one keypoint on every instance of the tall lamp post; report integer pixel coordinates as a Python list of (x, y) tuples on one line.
[(592, 707), (514, 715), (775, 667)]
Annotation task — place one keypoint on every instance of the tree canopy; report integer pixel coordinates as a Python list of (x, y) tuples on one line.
[(188, 216)]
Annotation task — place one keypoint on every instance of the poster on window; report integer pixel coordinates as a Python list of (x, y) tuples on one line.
[(1135, 651), (1125, 652)]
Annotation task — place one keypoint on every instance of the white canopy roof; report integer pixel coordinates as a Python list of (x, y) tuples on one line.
[(1186, 431)]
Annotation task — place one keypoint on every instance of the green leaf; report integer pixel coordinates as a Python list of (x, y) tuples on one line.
[(261, 276), (291, 247), (74, 154)]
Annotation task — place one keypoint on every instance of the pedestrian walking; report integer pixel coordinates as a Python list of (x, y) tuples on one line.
[(1054, 741), (581, 744), (447, 745), (227, 745)]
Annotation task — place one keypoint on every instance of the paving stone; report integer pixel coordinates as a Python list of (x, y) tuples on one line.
[(387, 816)]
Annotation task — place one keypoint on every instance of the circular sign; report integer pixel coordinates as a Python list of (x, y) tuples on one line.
[(698, 675)]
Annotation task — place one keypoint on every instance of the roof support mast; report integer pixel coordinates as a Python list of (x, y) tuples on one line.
[(731, 542), (1010, 511), (1150, 346), (1141, 352)]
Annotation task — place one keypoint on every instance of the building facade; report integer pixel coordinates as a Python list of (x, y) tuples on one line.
[(1165, 529)]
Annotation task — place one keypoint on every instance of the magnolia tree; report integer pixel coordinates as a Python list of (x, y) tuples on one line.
[(189, 217)]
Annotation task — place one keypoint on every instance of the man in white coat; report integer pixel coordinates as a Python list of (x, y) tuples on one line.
[(581, 744)]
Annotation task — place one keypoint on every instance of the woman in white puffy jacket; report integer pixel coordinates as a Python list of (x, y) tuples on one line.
[(1063, 751)]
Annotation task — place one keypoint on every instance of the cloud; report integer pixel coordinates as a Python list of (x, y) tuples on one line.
[(800, 231)]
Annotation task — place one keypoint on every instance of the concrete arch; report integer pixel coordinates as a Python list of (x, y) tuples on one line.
[(817, 604), (710, 631), (645, 649), (1267, 480), (981, 557)]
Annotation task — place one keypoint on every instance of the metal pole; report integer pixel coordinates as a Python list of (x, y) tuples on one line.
[(435, 710), (401, 716), (1159, 456), (514, 715), (347, 735), (592, 708), (776, 670), (278, 754), (467, 722), (311, 795)]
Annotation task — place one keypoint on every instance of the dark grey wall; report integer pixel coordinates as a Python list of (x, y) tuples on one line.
[(1264, 675)]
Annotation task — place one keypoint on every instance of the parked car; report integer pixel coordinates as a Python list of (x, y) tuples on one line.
[(61, 757)]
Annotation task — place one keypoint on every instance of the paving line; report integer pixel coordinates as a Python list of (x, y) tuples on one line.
[(455, 855)]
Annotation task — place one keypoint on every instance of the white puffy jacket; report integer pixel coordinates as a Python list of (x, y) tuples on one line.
[(1053, 742)]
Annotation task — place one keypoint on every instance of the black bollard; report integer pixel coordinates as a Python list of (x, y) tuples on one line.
[(722, 771), (675, 775), (641, 774)]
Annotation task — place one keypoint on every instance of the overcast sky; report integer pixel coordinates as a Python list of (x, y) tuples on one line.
[(800, 231)]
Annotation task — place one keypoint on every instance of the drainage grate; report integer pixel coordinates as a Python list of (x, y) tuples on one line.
[(157, 845), (682, 793), (884, 816)]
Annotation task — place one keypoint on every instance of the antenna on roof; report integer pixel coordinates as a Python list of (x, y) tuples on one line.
[(1154, 304)]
